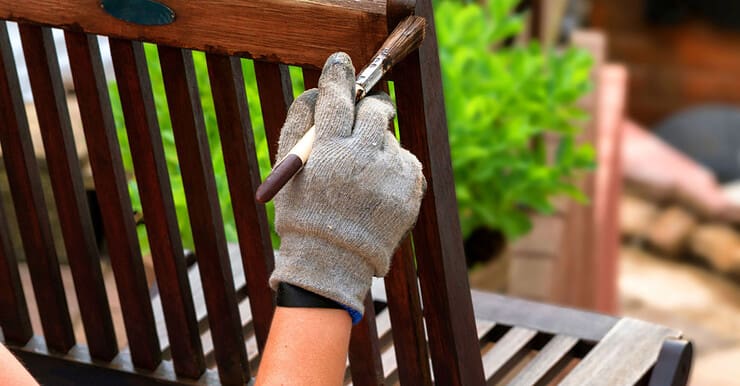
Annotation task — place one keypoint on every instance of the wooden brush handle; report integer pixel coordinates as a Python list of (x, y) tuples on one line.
[(287, 167)]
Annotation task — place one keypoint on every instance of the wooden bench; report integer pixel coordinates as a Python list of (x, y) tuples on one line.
[(211, 323)]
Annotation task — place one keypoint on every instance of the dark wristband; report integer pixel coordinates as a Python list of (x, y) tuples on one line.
[(289, 295)]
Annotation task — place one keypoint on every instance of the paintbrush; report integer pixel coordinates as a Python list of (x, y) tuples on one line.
[(405, 38)]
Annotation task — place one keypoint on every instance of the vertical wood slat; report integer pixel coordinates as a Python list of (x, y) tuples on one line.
[(276, 95), (404, 306), (364, 350), (25, 187), (237, 142), (110, 184), (205, 213), (14, 319), (441, 268), (145, 141), (311, 78), (66, 180)]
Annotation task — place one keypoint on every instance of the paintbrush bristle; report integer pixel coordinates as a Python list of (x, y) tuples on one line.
[(406, 37)]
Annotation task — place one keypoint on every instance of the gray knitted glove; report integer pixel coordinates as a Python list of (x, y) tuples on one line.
[(343, 215)]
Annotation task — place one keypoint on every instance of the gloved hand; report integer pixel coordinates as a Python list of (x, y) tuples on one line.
[(343, 215)]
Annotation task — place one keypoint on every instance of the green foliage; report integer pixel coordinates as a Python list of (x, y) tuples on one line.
[(168, 142), (499, 100)]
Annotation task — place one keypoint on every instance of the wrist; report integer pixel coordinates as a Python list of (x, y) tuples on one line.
[(292, 296), (323, 269)]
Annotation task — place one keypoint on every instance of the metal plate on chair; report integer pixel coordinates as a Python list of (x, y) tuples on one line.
[(144, 12)]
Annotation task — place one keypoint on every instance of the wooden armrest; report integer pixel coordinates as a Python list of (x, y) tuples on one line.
[(292, 32)]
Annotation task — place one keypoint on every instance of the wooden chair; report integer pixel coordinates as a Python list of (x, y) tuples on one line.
[(440, 333)]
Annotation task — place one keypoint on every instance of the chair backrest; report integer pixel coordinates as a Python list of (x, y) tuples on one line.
[(274, 34)]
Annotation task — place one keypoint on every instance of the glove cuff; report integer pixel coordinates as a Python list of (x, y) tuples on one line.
[(324, 269)]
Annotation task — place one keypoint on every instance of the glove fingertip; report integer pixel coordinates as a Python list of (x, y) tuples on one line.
[(338, 67)]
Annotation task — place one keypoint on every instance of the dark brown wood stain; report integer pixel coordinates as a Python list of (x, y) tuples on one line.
[(145, 141)]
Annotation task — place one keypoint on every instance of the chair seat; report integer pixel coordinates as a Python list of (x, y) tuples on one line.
[(522, 342)]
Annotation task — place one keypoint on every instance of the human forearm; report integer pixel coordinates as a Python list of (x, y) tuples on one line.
[(306, 346), (12, 372)]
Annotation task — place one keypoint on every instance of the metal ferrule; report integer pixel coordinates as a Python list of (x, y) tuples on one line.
[(370, 75)]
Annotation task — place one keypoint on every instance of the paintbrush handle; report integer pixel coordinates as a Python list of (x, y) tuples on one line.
[(287, 167)]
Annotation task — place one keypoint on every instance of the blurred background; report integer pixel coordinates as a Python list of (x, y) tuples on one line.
[(596, 151), (596, 148)]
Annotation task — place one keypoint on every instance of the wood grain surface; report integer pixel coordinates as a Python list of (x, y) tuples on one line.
[(245, 28), (206, 220), (506, 353), (404, 305), (364, 350), (240, 159), (25, 187), (623, 357), (145, 141), (14, 320), (276, 96), (448, 308), (547, 363)]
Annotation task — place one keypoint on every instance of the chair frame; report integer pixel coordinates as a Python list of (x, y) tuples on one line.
[(429, 299)]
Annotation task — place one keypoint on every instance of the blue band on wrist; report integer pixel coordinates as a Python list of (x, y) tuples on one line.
[(354, 314)]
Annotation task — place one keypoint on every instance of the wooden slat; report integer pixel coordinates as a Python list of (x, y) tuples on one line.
[(110, 181), (251, 344), (15, 323), (364, 350), (145, 141), (587, 326), (276, 95), (547, 363), (14, 320), (404, 306), (625, 354), (437, 238), (205, 213), (391, 362), (201, 313), (250, 341), (237, 142), (311, 78), (66, 181), (77, 368), (273, 30), (25, 186), (505, 353)]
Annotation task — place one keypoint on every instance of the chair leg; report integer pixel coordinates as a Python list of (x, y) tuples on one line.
[(673, 365)]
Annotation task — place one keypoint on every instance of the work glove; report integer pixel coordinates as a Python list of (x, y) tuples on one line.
[(343, 215)]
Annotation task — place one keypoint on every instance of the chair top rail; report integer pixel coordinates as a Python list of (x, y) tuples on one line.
[(301, 33)]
